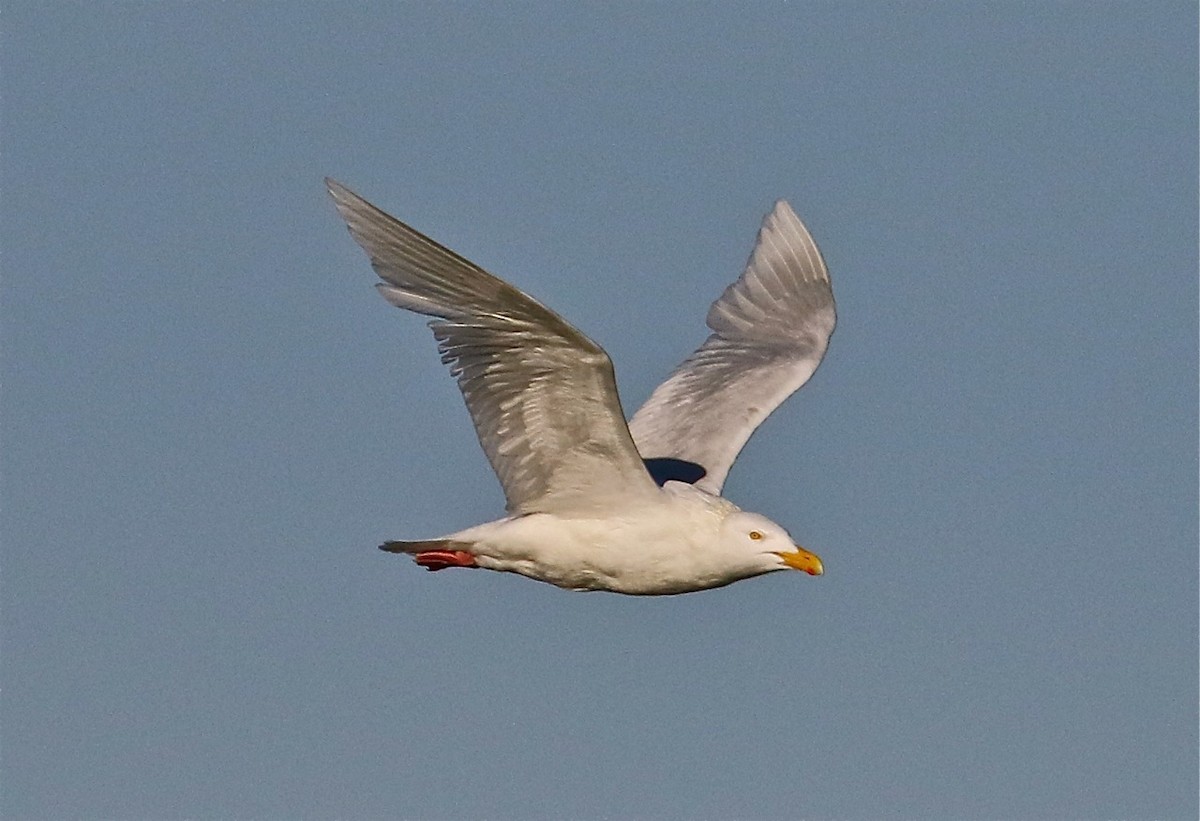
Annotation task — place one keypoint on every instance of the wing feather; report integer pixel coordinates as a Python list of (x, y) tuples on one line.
[(770, 331), (542, 395)]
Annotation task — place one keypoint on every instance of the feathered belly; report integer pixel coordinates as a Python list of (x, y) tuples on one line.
[(644, 555)]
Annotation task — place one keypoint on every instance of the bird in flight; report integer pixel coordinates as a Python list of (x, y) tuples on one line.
[(593, 502)]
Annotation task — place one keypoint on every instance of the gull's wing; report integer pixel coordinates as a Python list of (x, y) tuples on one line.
[(541, 394), (770, 330)]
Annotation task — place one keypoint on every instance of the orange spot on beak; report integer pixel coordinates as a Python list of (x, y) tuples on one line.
[(801, 559)]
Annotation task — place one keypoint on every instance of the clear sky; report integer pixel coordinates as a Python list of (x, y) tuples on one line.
[(210, 419)]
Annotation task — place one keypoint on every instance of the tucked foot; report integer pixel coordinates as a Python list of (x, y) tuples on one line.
[(441, 559)]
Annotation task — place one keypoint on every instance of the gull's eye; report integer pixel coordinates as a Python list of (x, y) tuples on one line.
[(757, 535)]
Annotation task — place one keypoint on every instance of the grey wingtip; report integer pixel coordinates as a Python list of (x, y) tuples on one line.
[(783, 212), (340, 193), (353, 209)]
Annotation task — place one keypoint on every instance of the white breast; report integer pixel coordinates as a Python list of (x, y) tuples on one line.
[(669, 545)]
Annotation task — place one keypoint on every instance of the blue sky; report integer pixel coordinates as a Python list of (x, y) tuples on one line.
[(210, 419)]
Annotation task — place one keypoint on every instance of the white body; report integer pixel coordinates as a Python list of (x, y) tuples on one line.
[(675, 536)]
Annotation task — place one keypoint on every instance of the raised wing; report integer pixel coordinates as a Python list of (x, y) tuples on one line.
[(770, 331), (541, 394)]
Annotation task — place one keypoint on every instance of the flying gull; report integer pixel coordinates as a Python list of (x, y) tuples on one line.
[(595, 503)]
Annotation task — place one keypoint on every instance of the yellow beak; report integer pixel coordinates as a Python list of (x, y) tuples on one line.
[(810, 563)]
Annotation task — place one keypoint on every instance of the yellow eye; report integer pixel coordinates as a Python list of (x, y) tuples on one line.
[(756, 535)]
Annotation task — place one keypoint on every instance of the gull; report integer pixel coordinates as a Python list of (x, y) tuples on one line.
[(593, 502)]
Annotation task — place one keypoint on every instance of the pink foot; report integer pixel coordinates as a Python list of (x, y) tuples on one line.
[(441, 559)]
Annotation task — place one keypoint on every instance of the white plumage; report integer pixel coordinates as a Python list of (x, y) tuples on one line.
[(585, 513)]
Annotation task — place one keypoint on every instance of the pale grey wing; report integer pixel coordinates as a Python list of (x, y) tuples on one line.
[(541, 394), (770, 331)]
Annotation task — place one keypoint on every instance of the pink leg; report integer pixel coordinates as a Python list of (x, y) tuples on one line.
[(441, 559)]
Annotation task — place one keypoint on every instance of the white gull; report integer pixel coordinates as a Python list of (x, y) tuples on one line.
[(595, 503)]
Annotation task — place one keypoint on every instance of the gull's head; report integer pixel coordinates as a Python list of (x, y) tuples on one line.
[(766, 545)]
